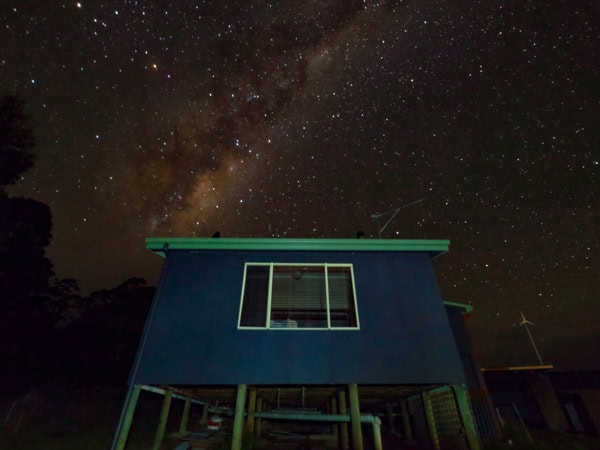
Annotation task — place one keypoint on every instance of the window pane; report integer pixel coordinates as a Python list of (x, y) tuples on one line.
[(298, 297), (341, 297), (256, 293)]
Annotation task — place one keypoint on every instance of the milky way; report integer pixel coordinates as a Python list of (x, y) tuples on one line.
[(302, 119)]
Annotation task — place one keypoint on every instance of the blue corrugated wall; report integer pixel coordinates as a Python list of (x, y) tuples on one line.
[(405, 335)]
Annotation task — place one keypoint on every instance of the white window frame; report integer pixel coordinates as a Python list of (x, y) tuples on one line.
[(271, 265)]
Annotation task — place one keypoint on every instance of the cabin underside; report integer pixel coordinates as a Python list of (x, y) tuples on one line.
[(316, 416)]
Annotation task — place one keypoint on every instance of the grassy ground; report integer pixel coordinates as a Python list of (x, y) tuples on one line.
[(70, 419)]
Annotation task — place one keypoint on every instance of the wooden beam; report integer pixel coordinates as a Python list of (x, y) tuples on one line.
[(357, 438), (185, 416), (238, 419), (343, 426), (129, 410), (162, 422)]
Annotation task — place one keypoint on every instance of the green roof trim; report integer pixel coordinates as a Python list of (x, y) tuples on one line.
[(436, 247), (468, 308)]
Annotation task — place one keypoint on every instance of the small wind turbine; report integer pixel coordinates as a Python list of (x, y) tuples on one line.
[(524, 322)]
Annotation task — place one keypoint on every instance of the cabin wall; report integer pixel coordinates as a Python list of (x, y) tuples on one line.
[(405, 335), (464, 347)]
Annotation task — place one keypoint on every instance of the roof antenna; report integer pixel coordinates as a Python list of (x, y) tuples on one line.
[(524, 322), (394, 213)]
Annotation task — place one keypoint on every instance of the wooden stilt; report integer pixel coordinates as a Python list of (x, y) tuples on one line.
[(343, 426), (357, 438), (162, 422), (258, 424), (334, 426), (185, 416), (406, 419), (389, 410), (125, 426), (430, 419), (204, 418), (377, 434), (250, 421), (462, 404), (238, 419)]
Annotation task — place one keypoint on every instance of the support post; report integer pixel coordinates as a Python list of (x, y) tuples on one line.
[(162, 422), (357, 437), (334, 426), (185, 416), (430, 420), (464, 411), (128, 411), (258, 424), (250, 421), (238, 419), (389, 410), (343, 426), (377, 434), (204, 418), (406, 419)]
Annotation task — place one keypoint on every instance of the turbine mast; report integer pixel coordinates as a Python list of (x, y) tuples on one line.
[(524, 323)]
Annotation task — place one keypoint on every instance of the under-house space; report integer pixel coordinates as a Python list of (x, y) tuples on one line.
[(306, 343)]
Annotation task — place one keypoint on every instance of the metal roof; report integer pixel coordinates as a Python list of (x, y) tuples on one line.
[(435, 247)]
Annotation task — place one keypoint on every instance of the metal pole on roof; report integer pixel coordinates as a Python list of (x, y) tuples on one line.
[(394, 213)]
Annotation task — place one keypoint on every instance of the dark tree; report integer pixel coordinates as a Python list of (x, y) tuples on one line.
[(99, 346), (16, 141), (26, 327)]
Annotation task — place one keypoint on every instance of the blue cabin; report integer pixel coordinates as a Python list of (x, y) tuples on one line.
[(323, 315)]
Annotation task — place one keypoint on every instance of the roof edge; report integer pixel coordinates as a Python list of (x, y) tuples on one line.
[(435, 247), (468, 309)]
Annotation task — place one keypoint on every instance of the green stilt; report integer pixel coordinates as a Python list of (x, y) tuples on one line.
[(377, 434), (462, 403), (357, 437), (343, 426), (127, 418), (334, 426), (204, 418), (185, 416), (258, 425), (389, 410), (238, 419), (162, 422), (250, 421), (430, 419), (406, 419)]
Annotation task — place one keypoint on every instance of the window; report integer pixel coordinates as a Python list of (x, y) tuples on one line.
[(298, 296)]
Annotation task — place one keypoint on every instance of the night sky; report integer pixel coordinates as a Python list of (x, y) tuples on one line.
[(304, 118)]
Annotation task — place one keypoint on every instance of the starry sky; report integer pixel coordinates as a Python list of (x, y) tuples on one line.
[(303, 118)]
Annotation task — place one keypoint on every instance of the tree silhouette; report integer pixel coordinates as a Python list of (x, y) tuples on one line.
[(16, 141), (99, 346), (26, 327)]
